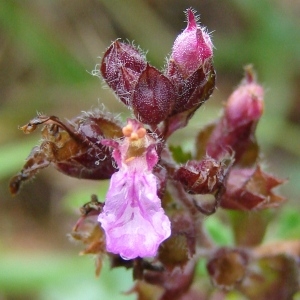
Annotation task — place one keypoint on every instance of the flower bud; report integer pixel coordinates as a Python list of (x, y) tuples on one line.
[(245, 104), (234, 132), (191, 71), (192, 47)]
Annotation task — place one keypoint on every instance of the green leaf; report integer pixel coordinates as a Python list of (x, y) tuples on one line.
[(218, 231), (40, 43), (60, 276), (288, 224), (179, 155)]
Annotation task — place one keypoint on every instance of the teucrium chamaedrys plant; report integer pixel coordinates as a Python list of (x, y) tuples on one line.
[(152, 217)]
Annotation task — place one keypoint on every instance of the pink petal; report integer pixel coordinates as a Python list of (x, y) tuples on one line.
[(192, 47), (133, 219)]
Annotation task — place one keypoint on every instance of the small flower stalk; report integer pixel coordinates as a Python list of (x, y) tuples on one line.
[(152, 219)]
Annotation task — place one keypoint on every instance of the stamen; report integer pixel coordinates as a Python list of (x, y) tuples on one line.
[(134, 136), (141, 132), (127, 130), (129, 159)]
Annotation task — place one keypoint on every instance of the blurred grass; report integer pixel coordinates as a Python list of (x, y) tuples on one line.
[(39, 43), (13, 155), (59, 276), (46, 48)]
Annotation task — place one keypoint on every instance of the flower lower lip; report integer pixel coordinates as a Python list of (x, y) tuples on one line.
[(133, 220)]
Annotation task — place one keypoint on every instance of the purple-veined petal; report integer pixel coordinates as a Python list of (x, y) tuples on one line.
[(134, 222)]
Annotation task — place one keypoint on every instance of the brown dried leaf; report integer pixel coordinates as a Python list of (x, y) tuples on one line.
[(272, 277), (202, 139), (145, 291), (227, 267), (289, 247), (175, 283), (74, 149), (180, 246), (251, 189), (88, 231)]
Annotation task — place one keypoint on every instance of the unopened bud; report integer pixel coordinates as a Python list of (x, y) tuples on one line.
[(192, 47), (235, 131), (245, 104)]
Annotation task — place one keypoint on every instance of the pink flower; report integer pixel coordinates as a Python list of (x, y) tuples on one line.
[(192, 47), (133, 220)]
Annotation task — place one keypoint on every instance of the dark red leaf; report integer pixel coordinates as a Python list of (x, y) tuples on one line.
[(120, 67), (153, 97)]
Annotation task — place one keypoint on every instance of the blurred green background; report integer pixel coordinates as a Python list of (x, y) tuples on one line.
[(48, 49)]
